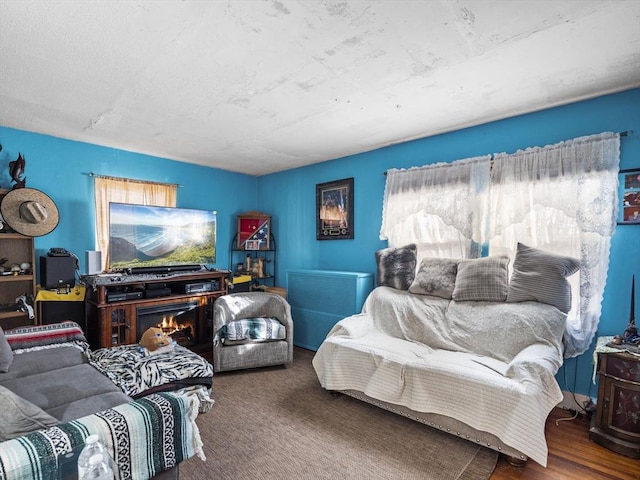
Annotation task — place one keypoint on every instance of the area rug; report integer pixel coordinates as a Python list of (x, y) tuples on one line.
[(278, 423)]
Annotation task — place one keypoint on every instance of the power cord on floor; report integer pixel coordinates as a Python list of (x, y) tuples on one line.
[(575, 415), (587, 408)]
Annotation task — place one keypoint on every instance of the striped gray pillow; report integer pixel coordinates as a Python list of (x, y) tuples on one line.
[(541, 276), (396, 266), (482, 279)]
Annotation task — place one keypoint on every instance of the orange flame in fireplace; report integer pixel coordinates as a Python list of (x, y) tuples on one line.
[(169, 325), (181, 331)]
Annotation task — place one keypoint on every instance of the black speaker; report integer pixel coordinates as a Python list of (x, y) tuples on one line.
[(56, 272), (56, 311)]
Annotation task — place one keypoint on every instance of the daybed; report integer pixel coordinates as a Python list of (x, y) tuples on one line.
[(52, 398), (458, 348)]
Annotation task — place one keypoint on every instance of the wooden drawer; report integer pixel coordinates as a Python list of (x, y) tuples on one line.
[(622, 400), (622, 366)]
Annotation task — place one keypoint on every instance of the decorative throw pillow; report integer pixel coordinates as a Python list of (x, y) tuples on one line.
[(19, 416), (6, 354), (541, 276), (255, 329), (436, 276), (396, 266), (482, 279)]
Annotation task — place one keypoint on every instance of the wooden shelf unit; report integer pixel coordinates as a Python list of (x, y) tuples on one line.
[(268, 256), (113, 323), (17, 249)]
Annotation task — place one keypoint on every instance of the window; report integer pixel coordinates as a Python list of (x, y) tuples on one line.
[(560, 198), (441, 208)]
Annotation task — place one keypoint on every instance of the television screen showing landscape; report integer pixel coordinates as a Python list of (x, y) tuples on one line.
[(149, 236)]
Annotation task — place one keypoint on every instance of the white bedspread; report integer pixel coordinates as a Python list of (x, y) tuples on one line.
[(489, 365)]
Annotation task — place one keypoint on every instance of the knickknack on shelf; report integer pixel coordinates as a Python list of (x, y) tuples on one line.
[(254, 229), (253, 251)]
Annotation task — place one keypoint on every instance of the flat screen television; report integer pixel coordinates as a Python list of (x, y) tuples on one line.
[(150, 236)]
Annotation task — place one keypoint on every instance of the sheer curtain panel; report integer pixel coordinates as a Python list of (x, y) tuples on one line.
[(441, 207), (561, 198)]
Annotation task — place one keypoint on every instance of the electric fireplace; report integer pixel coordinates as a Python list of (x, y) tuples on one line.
[(178, 320)]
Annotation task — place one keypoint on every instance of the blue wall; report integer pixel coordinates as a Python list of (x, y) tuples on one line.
[(290, 197), (60, 167)]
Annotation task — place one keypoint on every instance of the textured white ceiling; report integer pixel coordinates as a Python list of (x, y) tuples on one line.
[(263, 86)]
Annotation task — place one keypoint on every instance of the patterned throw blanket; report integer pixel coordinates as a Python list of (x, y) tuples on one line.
[(135, 371), (40, 336), (144, 438)]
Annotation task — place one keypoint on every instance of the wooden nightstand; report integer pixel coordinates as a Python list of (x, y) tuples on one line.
[(616, 423)]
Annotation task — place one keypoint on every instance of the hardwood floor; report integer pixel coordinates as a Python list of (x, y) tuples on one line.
[(572, 456)]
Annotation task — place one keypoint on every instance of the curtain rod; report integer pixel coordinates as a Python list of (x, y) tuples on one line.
[(109, 177), (622, 134)]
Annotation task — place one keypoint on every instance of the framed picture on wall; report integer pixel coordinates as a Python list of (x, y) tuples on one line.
[(252, 245), (334, 210), (630, 195), (254, 230)]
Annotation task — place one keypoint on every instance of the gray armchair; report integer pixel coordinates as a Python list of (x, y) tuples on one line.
[(236, 354)]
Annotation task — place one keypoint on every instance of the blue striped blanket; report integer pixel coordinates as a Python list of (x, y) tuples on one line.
[(252, 329), (144, 438)]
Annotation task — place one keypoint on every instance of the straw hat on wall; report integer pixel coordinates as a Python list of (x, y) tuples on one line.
[(29, 211)]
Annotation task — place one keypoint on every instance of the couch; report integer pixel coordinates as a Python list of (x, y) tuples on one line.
[(53, 398), (253, 329), (453, 344)]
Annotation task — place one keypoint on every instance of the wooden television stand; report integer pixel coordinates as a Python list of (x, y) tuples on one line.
[(120, 307)]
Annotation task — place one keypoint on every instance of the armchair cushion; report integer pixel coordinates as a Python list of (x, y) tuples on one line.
[(252, 329)]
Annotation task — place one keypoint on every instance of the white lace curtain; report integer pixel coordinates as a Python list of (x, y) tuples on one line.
[(560, 198), (441, 207)]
